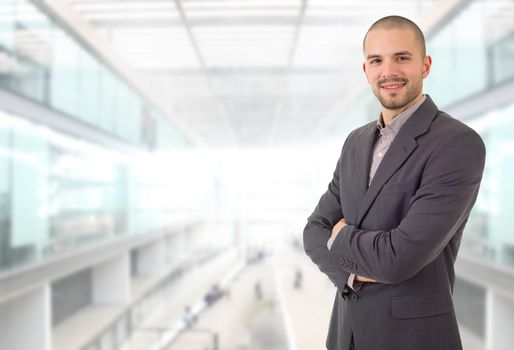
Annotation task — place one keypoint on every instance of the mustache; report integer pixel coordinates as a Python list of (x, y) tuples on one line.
[(392, 80)]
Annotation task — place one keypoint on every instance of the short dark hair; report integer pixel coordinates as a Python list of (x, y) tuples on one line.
[(399, 22)]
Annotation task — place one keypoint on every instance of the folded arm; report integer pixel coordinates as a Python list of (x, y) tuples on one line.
[(319, 228), (352, 278), (438, 209)]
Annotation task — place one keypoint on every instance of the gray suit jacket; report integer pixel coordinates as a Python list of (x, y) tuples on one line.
[(404, 231)]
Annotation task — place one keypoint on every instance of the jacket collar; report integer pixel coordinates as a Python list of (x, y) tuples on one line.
[(401, 148)]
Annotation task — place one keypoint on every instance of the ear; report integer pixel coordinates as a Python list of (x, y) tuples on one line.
[(364, 69), (427, 64)]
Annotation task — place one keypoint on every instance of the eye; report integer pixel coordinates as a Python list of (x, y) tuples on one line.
[(374, 61), (403, 58)]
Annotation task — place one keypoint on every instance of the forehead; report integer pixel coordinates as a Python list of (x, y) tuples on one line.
[(388, 41)]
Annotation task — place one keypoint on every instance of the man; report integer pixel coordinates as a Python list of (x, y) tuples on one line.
[(388, 229)]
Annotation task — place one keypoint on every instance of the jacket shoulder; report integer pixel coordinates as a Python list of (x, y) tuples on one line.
[(447, 126), (450, 135), (362, 130)]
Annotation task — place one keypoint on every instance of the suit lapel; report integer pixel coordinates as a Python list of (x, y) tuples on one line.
[(363, 158), (399, 151)]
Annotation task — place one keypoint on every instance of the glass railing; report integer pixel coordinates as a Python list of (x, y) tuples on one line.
[(42, 61), (489, 231), (472, 52), (58, 192)]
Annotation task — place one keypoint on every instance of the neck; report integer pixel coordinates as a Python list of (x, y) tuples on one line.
[(389, 114)]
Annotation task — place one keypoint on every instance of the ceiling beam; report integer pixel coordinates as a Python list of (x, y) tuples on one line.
[(221, 107), (283, 91), (220, 72), (225, 21)]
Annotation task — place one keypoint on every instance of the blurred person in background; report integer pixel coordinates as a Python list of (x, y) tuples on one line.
[(387, 230), (298, 279), (257, 290), (188, 318)]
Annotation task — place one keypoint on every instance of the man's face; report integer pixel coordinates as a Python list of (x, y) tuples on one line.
[(395, 66)]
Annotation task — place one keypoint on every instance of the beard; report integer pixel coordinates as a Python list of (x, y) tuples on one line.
[(394, 101)]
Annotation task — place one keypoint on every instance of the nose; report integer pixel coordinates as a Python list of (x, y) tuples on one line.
[(389, 69)]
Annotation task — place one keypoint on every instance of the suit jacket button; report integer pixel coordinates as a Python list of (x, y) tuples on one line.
[(354, 297), (341, 262)]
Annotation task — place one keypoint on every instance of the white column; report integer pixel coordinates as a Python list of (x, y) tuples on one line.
[(151, 259), (111, 281), (499, 321), (25, 321)]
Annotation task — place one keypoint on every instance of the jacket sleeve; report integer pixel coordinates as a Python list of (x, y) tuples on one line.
[(439, 209), (318, 231)]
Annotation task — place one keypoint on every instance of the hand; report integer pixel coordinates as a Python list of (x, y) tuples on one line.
[(340, 224), (364, 279), (337, 227)]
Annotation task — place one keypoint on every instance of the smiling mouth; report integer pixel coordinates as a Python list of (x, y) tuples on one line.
[(392, 86)]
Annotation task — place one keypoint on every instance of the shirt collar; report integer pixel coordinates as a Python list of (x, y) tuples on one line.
[(398, 121)]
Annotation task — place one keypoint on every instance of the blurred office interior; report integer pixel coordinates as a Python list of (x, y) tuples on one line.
[(159, 158)]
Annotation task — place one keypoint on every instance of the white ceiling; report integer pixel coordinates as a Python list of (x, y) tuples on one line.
[(247, 73)]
